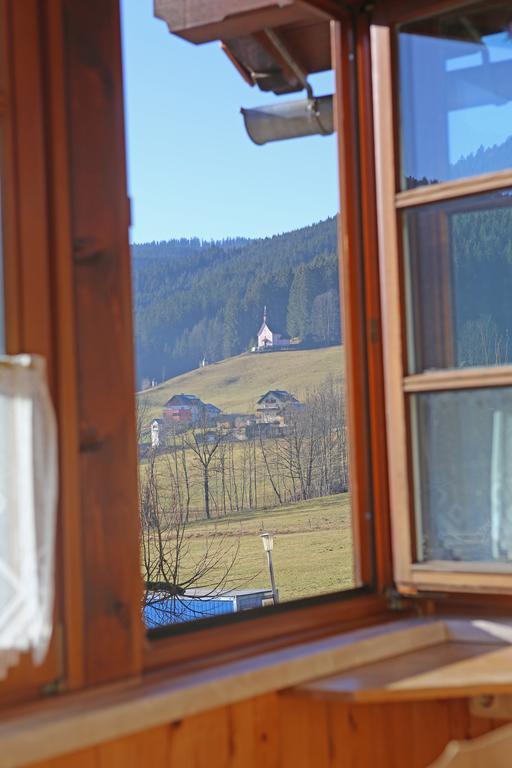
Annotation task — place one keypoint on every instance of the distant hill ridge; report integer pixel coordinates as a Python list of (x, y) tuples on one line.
[(197, 299), (235, 385)]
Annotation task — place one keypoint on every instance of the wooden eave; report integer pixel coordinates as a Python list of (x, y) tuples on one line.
[(201, 21), (241, 26)]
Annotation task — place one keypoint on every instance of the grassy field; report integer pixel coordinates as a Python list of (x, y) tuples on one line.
[(312, 539), (312, 546), (234, 385)]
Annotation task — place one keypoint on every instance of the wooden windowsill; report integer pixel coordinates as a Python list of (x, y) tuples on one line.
[(474, 659), (79, 721)]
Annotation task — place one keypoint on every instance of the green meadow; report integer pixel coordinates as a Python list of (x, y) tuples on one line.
[(312, 546)]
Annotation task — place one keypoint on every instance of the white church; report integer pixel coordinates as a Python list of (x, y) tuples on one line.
[(268, 339)]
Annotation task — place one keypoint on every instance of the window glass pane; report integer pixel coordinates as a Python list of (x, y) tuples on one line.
[(458, 272), (456, 94), (462, 474), (240, 362)]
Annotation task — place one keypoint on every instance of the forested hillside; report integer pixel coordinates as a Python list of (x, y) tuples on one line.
[(196, 299)]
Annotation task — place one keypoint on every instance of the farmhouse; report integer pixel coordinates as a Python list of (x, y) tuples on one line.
[(274, 405), (183, 408), (267, 339), (188, 409), (212, 411)]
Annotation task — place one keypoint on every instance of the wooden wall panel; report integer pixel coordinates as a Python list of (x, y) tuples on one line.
[(150, 748), (84, 759), (289, 731)]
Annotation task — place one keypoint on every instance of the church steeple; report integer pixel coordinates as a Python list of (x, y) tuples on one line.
[(265, 314)]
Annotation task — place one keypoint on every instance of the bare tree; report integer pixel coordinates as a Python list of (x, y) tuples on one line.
[(309, 458), (204, 440), (170, 568), (265, 450), (141, 418)]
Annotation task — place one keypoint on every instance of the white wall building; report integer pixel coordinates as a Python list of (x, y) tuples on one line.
[(268, 338)]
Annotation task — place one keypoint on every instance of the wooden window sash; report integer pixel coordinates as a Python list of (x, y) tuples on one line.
[(459, 378), (431, 576), (351, 294), (441, 578), (195, 646), (392, 299), (447, 190), (26, 258), (377, 471)]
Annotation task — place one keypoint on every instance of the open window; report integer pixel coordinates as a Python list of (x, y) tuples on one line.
[(68, 296), (251, 346), (445, 207)]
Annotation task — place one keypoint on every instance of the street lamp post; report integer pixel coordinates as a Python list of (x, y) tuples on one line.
[(268, 544)]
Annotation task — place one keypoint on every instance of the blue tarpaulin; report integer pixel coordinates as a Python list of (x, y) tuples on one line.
[(162, 610)]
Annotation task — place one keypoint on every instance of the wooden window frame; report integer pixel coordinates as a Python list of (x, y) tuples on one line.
[(295, 621), (26, 243), (68, 282), (433, 576)]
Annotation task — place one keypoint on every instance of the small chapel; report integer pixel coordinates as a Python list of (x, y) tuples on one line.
[(267, 338)]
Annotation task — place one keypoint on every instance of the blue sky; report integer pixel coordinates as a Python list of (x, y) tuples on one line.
[(192, 170)]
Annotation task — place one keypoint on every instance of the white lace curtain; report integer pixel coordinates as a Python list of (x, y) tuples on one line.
[(501, 485), (465, 445), (28, 498)]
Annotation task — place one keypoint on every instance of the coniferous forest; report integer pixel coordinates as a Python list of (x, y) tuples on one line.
[(198, 300)]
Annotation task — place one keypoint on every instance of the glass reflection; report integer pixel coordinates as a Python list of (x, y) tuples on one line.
[(458, 271), (456, 95)]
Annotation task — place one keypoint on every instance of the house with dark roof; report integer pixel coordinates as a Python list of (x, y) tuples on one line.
[(188, 409), (274, 404)]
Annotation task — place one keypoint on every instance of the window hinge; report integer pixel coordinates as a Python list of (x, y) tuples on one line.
[(54, 687), (396, 601), (419, 604)]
